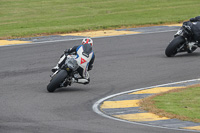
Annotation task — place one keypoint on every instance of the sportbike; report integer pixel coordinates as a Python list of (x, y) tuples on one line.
[(63, 76), (185, 40)]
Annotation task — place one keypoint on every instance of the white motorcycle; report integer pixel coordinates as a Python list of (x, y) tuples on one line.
[(63, 76)]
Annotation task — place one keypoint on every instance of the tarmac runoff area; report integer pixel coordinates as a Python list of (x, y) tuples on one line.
[(124, 107), (92, 34)]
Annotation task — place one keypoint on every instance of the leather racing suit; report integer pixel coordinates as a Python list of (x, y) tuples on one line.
[(85, 58)]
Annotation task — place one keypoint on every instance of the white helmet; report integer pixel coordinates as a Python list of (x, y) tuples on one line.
[(87, 41)]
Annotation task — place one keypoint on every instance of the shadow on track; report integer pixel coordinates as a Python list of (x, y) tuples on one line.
[(185, 55), (68, 89)]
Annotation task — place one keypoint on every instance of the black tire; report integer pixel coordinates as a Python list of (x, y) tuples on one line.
[(56, 81), (176, 43)]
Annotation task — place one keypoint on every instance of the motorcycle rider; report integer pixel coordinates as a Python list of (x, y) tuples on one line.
[(85, 59), (194, 24), (197, 18)]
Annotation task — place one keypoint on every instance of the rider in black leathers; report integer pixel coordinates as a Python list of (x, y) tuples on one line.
[(196, 29), (195, 19), (194, 23)]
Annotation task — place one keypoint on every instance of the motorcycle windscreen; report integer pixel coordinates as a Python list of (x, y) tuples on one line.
[(72, 64)]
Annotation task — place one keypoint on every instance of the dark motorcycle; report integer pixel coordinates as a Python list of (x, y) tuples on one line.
[(184, 40), (63, 76)]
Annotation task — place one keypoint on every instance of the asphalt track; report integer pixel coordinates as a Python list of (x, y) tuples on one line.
[(122, 63)]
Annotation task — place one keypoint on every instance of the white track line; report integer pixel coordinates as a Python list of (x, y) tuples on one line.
[(96, 105)]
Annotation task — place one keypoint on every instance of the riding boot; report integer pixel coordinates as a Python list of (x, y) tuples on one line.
[(54, 69)]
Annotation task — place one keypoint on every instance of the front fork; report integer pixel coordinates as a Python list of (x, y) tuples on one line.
[(54, 73), (181, 49)]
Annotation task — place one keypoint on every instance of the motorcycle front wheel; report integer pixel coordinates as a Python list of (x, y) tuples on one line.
[(174, 45), (56, 81)]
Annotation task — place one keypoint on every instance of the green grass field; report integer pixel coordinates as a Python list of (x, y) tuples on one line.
[(20, 18), (183, 104)]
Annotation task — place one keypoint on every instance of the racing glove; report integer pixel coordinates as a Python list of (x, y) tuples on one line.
[(67, 51)]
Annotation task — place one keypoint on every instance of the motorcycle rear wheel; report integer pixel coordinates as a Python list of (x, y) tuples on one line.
[(56, 81), (174, 45)]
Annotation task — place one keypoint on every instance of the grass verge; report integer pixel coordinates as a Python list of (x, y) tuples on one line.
[(19, 18), (183, 104)]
